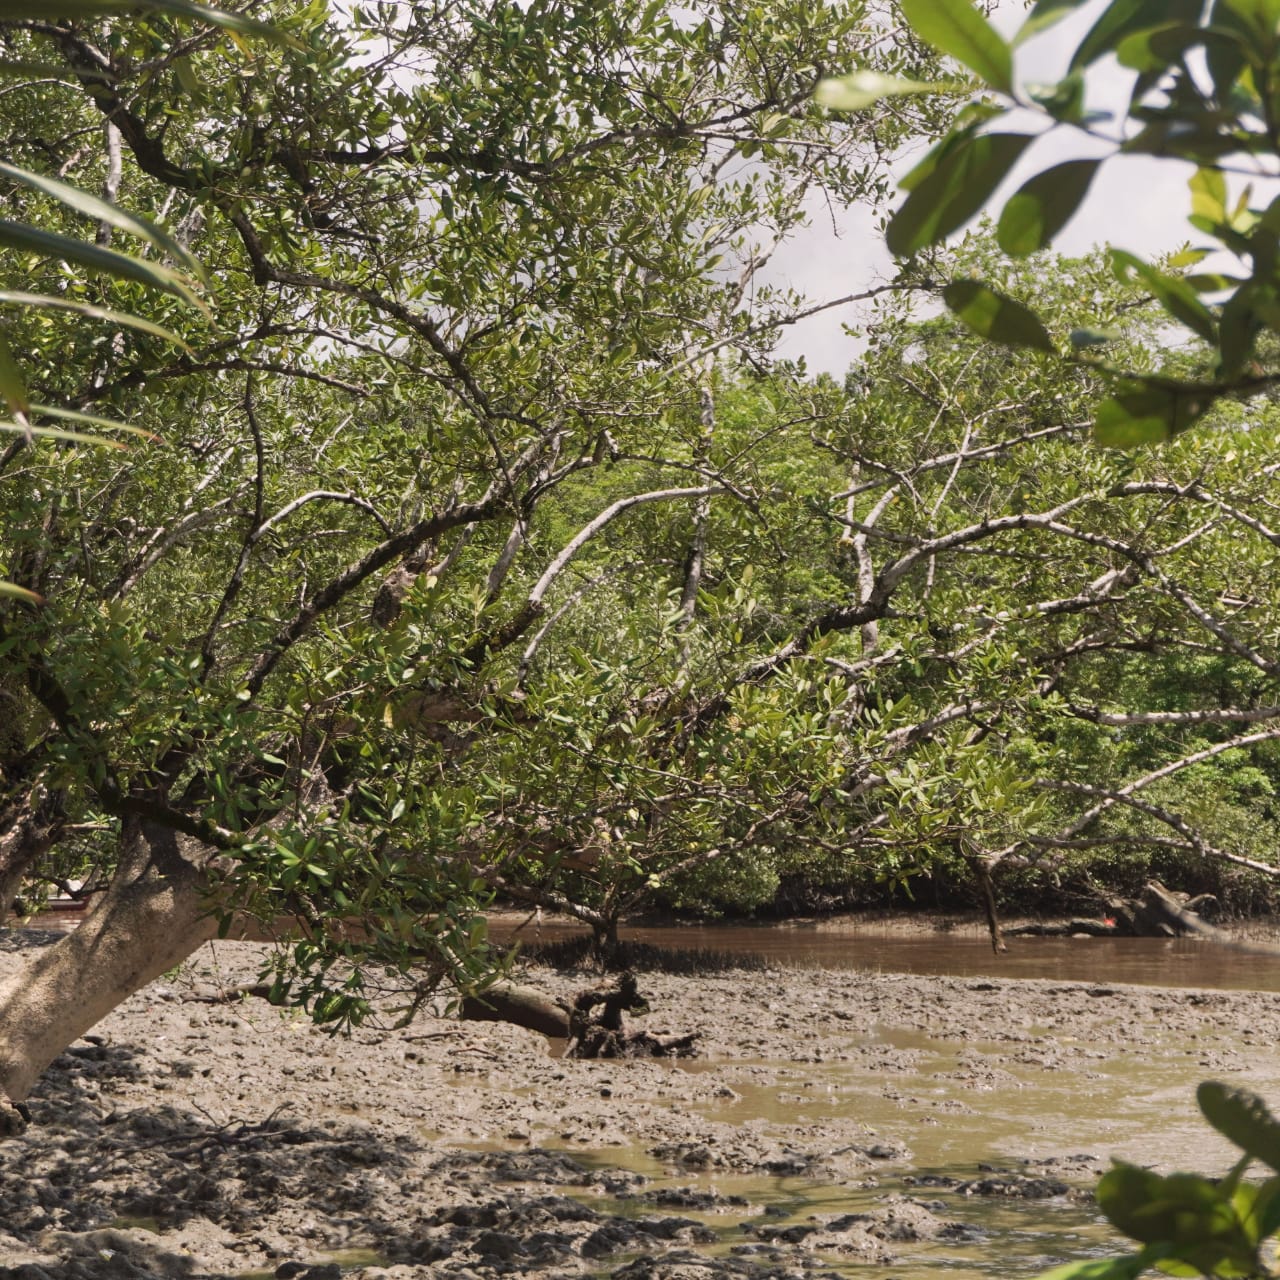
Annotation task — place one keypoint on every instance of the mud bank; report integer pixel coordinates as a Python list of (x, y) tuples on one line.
[(832, 1119)]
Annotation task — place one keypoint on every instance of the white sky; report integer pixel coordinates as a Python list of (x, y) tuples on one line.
[(1136, 203)]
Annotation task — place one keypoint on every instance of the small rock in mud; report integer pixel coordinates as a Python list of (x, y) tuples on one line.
[(1000, 1182), (692, 1198)]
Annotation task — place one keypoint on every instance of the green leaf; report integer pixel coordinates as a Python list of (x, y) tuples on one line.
[(48, 244), (57, 433), (1228, 55), (20, 593), (89, 206), (863, 88), (1045, 14), (1153, 49), (13, 387), (45, 302), (1257, 20), (90, 420), (1122, 18), (1081, 339), (1177, 297), (1212, 281), (960, 183), (1189, 1216), (1242, 1117), (1042, 206), (1150, 413), (1064, 101), (1126, 1267), (995, 317), (1238, 327), (957, 28), (1264, 1216)]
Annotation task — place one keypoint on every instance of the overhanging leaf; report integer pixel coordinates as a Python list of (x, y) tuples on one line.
[(1081, 339), (90, 420), (1043, 205), (43, 301), (48, 244), (1228, 56), (1177, 297), (957, 28), (1123, 19), (58, 433), (1150, 413), (89, 206), (1045, 14), (960, 183), (993, 316), (863, 88), (1153, 49), (13, 387), (1242, 1117), (1063, 101), (20, 593)]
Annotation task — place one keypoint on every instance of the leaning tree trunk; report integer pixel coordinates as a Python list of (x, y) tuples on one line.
[(155, 913)]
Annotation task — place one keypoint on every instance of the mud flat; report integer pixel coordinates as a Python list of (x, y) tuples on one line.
[(832, 1120)]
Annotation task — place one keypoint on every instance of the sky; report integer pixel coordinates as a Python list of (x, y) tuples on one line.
[(1136, 203)]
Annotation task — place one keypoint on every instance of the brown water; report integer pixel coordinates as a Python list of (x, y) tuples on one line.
[(1159, 962)]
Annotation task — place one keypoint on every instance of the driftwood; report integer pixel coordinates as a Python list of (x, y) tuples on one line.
[(603, 1034), (1157, 913)]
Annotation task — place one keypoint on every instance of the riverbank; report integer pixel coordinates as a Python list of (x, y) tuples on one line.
[(831, 1119)]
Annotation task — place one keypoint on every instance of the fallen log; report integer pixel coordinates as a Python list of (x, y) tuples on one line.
[(524, 1006)]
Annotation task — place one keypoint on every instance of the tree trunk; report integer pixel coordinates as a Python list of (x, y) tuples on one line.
[(154, 915)]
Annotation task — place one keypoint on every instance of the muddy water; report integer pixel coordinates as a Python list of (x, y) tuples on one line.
[(1163, 962), (962, 1108)]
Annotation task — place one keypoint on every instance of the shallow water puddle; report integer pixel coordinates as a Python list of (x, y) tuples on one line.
[(959, 1108), (991, 1234)]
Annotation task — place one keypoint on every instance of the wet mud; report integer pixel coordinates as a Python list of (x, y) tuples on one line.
[(833, 1120)]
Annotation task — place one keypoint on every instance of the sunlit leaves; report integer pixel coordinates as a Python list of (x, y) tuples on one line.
[(1172, 113)]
